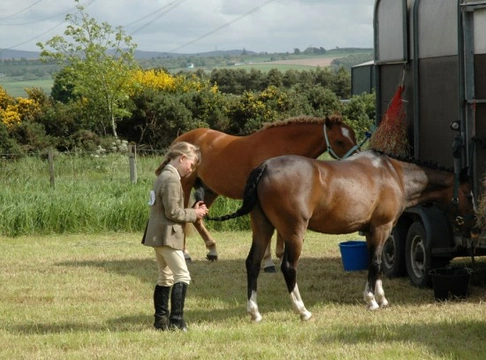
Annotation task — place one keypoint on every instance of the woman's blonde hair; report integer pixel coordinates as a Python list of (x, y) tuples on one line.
[(180, 148)]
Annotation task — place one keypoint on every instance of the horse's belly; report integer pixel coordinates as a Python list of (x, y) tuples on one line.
[(340, 221)]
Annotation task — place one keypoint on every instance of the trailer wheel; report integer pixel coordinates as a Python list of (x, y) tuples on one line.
[(393, 254), (417, 258)]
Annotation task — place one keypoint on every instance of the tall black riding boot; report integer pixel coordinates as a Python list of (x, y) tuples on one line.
[(177, 299), (161, 305)]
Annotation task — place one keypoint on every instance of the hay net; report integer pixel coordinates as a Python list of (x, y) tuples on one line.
[(391, 136)]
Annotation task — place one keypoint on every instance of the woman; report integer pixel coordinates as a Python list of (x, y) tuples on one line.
[(165, 233)]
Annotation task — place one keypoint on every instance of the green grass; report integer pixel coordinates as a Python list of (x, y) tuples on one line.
[(16, 88), (90, 296), (91, 194)]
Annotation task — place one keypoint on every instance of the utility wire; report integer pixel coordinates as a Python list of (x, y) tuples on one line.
[(169, 8), (149, 14), (238, 18), (20, 11), (45, 32)]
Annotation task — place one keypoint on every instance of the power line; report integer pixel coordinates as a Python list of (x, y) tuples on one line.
[(238, 18), (20, 11), (150, 14), (169, 8), (45, 32)]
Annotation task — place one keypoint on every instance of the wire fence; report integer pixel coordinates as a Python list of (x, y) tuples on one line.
[(51, 167)]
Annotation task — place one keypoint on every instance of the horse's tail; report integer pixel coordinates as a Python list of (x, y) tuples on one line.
[(250, 196)]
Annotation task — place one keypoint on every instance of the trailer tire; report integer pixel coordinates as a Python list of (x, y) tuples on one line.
[(417, 256), (393, 253)]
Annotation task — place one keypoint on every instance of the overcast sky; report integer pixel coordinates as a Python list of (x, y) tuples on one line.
[(197, 26)]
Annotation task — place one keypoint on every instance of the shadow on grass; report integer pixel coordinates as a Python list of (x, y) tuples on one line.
[(321, 281), (461, 334), (222, 285)]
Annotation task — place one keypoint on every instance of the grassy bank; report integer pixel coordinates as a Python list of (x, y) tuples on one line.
[(91, 194), (90, 296)]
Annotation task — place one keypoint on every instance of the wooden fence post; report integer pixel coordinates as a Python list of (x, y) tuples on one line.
[(50, 159), (132, 158)]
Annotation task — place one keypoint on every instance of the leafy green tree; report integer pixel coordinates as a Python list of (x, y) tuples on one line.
[(100, 58)]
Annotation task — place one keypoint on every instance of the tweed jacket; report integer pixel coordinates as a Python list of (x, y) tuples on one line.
[(167, 214)]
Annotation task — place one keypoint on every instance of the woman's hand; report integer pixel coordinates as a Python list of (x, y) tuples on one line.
[(201, 209)]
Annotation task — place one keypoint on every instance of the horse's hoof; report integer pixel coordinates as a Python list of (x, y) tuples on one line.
[(270, 269), (373, 307), (256, 318), (384, 304), (212, 257), (306, 316)]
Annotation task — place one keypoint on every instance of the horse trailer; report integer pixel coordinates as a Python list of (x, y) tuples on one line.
[(436, 50)]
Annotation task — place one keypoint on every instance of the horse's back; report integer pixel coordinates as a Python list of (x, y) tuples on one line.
[(199, 136), (334, 196)]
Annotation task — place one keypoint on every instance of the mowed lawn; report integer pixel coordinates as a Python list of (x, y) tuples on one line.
[(90, 297)]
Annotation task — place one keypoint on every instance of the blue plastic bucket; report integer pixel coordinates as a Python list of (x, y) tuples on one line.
[(354, 254)]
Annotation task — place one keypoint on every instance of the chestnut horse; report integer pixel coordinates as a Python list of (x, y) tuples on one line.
[(228, 160), (366, 192)]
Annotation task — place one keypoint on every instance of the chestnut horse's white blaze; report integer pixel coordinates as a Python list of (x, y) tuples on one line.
[(366, 192), (228, 160)]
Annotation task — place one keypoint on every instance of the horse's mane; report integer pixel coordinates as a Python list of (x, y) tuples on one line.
[(410, 159), (304, 119)]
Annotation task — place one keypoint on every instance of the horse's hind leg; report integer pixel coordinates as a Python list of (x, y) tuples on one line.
[(293, 249), (262, 231), (374, 294)]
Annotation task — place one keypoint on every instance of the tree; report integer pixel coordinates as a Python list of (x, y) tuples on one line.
[(100, 58)]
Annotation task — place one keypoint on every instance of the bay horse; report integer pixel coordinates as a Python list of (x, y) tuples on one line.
[(366, 192), (227, 160)]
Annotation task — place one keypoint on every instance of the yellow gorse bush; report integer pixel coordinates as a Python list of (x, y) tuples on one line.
[(162, 81), (152, 79), (10, 116), (14, 111)]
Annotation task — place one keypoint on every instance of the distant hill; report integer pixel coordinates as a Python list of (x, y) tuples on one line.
[(139, 54), (18, 54)]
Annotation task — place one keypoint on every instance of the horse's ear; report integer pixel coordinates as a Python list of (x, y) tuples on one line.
[(334, 119)]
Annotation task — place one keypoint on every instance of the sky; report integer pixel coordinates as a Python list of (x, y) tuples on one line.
[(198, 26)]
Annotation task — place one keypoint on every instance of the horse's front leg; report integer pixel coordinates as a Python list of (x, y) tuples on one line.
[(212, 255)]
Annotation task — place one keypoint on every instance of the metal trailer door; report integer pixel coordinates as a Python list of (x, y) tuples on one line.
[(473, 90)]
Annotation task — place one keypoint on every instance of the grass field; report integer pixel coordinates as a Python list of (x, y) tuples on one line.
[(16, 88), (90, 297)]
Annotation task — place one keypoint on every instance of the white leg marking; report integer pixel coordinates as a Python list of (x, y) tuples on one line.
[(380, 294), (212, 251), (268, 263), (370, 299), (252, 308), (298, 305)]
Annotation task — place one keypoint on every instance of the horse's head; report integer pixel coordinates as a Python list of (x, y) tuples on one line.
[(340, 138), (464, 220)]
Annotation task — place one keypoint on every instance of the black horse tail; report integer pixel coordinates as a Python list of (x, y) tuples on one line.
[(250, 196)]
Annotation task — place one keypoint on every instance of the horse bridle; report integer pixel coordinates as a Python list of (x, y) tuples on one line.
[(350, 151)]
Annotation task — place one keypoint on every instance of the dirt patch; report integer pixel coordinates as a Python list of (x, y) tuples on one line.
[(322, 62)]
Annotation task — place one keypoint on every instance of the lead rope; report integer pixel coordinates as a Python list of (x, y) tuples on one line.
[(350, 151)]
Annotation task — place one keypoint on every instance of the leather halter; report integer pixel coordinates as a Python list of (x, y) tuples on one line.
[(350, 151)]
